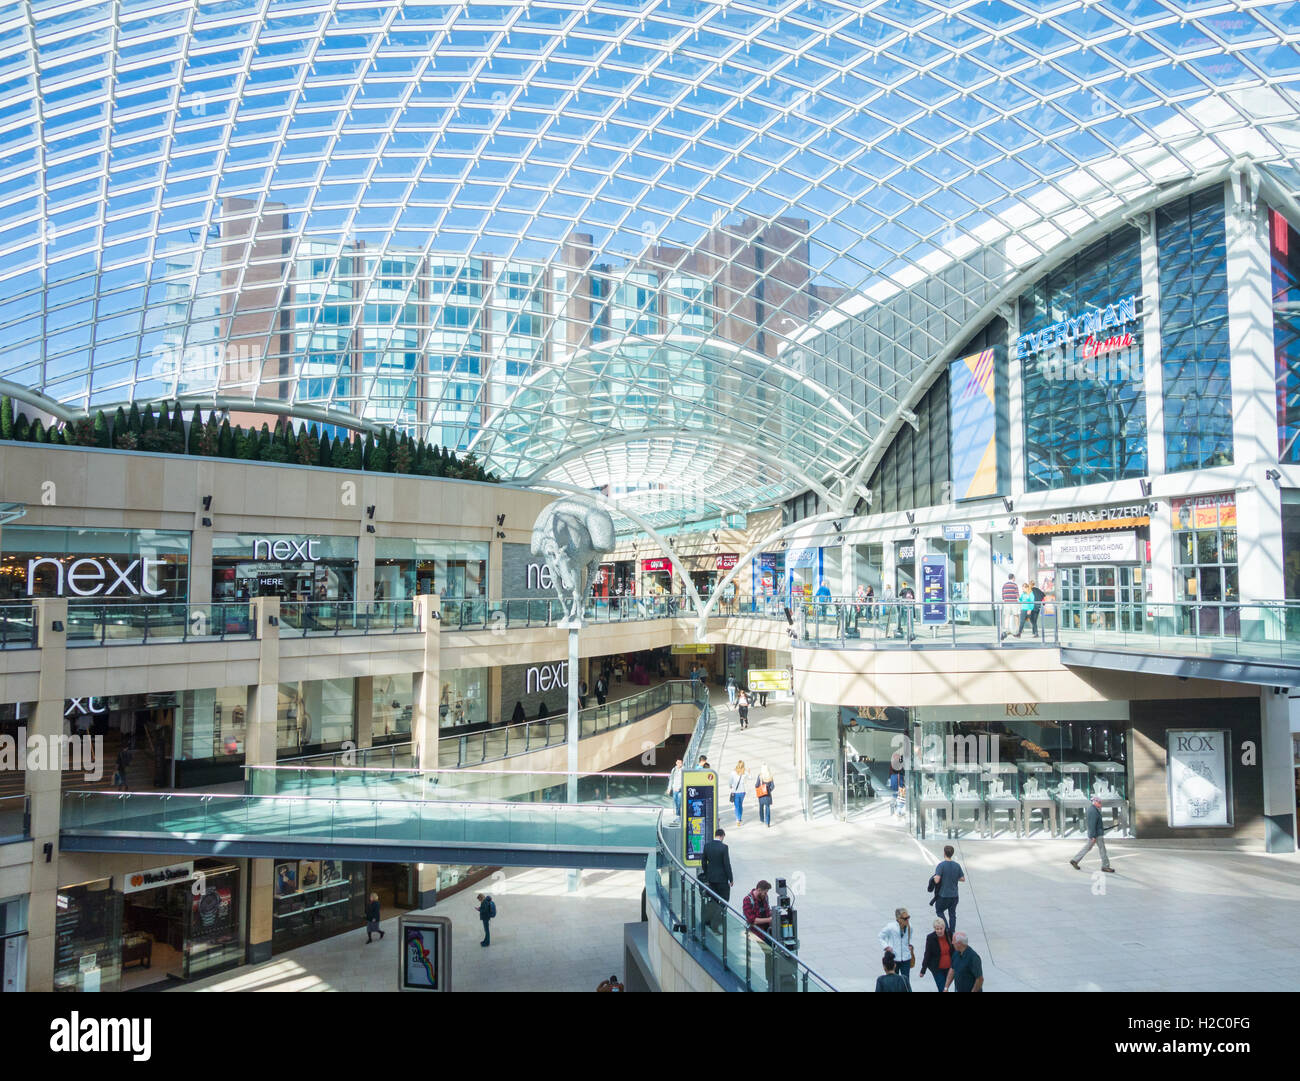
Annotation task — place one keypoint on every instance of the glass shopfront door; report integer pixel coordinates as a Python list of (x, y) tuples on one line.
[(1102, 598)]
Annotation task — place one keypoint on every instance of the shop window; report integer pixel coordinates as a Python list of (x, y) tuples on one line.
[(315, 899), (1205, 565), (463, 698), (88, 937), (13, 944), (315, 713), (212, 723), (95, 565), (391, 705)]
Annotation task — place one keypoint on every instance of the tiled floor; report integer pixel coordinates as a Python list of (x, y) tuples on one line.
[(544, 939), (1163, 922), (1171, 919)]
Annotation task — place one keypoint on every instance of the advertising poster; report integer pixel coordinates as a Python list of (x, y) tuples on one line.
[(1095, 548), (1198, 772), (934, 589), (974, 426), (699, 813), (424, 963)]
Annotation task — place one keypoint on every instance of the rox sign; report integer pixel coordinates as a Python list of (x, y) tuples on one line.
[(93, 577), (1195, 743)]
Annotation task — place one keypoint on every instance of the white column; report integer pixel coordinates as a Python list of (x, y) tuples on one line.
[(1250, 334), (1277, 770), (1152, 373)]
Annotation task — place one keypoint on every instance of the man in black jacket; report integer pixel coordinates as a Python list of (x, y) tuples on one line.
[(715, 871), (1095, 837), (715, 866)]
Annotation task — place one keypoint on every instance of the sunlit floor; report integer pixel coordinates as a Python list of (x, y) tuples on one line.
[(1170, 919), (545, 938)]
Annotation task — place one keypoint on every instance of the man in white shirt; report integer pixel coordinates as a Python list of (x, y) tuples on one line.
[(896, 935), (675, 788)]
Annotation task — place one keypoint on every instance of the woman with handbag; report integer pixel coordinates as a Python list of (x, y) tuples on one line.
[(738, 778), (938, 954), (763, 789)]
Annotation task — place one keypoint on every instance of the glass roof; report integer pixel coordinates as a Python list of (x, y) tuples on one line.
[(605, 243)]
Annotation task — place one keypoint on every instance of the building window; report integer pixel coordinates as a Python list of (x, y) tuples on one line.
[(1080, 349), (1205, 565), (1194, 332), (1285, 244)]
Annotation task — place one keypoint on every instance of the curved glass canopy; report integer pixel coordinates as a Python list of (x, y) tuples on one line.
[(606, 243)]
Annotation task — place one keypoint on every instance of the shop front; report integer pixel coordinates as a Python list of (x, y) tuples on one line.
[(293, 567), (904, 566), (317, 899), (1020, 768), (106, 574), (955, 545), (1093, 566), (463, 700), (166, 924), (767, 573), (455, 571), (724, 563), (657, 572)]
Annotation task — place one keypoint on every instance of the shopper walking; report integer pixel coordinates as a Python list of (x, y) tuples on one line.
[(1026, 607), (1096, 832), (715, 865), (742, 710), (731, 690), (487, 911), (896, 935), (967, 971), (1010, 605), (891, 980), (372, 918), (763, 790), (675, 788), (946, 876), (1039, 598), (739, 782), (582, 694), (937, 958), (602, 689)]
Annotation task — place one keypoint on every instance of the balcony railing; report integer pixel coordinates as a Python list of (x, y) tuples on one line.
[(506, 741), (93, 623), (17, 625), (314, 618)]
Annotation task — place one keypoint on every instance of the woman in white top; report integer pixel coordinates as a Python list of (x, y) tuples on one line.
[(739, 779)]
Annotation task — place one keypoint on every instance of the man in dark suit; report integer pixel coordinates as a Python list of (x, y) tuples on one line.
[(715, 871)]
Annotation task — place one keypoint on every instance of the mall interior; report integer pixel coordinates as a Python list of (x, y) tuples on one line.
[(943, 393)]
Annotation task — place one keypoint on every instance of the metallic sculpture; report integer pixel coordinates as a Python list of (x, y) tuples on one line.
[(571, 535)]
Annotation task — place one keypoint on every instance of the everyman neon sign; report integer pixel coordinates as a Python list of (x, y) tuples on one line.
[(1091, 326)]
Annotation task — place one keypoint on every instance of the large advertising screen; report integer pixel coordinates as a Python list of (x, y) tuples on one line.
[(700, 813), (973, 396)]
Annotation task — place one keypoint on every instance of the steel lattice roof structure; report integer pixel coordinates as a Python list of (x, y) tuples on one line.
[(604, 242)]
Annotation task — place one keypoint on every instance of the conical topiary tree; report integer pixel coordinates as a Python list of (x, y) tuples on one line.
[(38, 433), (148, 422), (307, 452), (22, 428), (196, 433), (6, 417), (325, 451), (379, 462), (103, 437), (164, 418), (133, 420), (226, 440), (121, 425), (178, 421)]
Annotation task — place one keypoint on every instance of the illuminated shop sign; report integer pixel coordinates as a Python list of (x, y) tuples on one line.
[(93, 577), (1100, 330), (287, 549)]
